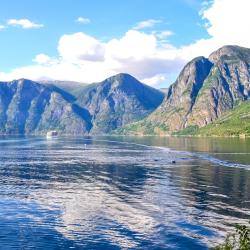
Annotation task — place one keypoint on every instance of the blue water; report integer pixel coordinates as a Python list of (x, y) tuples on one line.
[(121, 193)]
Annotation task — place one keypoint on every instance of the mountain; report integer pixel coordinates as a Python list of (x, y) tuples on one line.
[(28, 107), (118, 101), (205, 89)]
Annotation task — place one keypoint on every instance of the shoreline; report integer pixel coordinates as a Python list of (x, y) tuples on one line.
[(134, 135)]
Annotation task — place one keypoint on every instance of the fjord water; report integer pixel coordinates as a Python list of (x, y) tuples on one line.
[(121, 192)]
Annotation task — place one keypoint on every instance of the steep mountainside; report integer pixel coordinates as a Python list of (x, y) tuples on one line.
[(227, 85), (203, 92), (117, 101), (27, 107), (235, 122)]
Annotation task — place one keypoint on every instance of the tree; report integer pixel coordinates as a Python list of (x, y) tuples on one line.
[(240, 240)]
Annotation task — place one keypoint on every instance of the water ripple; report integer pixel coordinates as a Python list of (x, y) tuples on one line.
[(61, 194)]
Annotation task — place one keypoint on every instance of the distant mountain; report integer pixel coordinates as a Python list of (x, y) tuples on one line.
[(28, 107), (118, 101), (71, 87), (203, 92)]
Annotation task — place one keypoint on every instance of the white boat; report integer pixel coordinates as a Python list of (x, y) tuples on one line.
[(51, 134)]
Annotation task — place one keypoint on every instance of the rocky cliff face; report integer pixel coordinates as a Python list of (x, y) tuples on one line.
[(204, 90), (27, 107), (227, 85), (182, 95)]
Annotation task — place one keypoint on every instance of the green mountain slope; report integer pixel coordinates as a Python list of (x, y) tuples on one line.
[(235, 122)]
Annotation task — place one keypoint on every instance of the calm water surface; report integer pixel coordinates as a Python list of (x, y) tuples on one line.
[(121, 192)]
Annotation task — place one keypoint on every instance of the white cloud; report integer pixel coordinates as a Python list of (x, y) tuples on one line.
[(228, 20), (155, 80), (44, 59), (2, 27), (80, 47), (61, 70), (146, 24), (24, 23), (83, 20), (133, 44), (226, 23), (148, 57), (164, 34)]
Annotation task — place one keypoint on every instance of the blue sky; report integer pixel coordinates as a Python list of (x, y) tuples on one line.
[(167, 26)]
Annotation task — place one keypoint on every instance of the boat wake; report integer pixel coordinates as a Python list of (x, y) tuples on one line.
[(195, 155)]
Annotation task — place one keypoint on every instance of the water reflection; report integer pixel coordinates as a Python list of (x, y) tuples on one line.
[(231, 149), (115, 195)]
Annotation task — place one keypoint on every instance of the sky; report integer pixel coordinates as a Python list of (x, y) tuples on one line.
[(88, 41)]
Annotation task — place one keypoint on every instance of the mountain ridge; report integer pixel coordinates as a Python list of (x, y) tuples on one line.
[(28, 107)]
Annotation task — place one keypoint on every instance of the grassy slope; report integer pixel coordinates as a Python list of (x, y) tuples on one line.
[(233, 123), (143, 127)]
